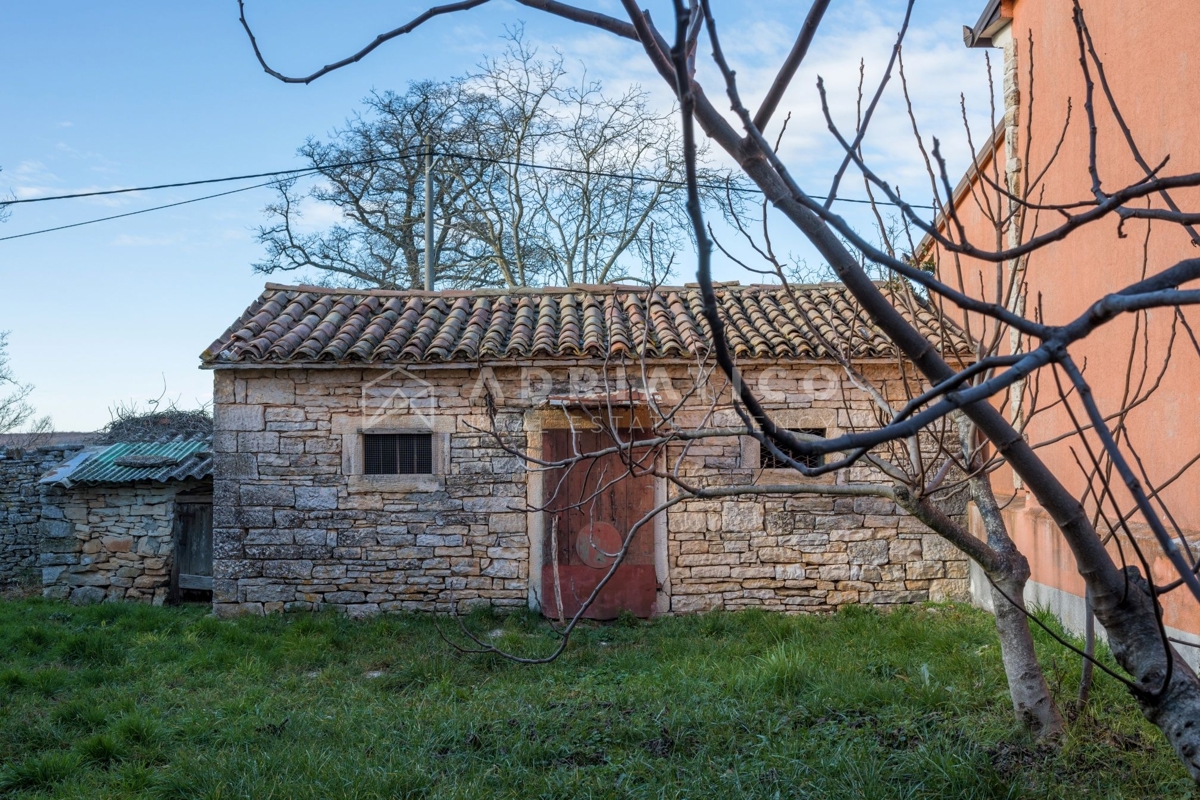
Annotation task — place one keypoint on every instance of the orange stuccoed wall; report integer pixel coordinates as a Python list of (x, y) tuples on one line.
[(1151, 56)]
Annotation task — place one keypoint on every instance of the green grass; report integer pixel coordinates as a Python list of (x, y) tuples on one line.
[(133, 701)]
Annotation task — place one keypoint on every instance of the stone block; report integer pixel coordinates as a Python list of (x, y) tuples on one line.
[(789, 572), (924, 570), (686, 521), (268, 593), (834, 572), (895, 596), (846, 528), (256, 536), (258, 442), (950, 589), (313, 498), (780, 555), (238, 417), (234, 467), (901, 551), (89, 578), (330, 572), (746, 574), (271, 391), (290, 414), (255, 495), (56, 529), (807, 542), (85, 595), (287, 569), (313, 537), (873, 505), (490, 504), (502, 568), (706, 559), (935, 548), (231, 610), (742, 516), (507, 523), (871, 552), (345, 598), (51, 575), (692, 604), (439, 540)]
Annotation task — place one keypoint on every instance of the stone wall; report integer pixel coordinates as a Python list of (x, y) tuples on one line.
[(296, 526), (809, 553), (20, 509), (110, 542)]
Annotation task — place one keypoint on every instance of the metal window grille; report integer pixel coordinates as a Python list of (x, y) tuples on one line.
[(398, 453), (767, 459)]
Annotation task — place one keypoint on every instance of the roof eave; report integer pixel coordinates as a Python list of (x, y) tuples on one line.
[(996, 15), (963, 188)]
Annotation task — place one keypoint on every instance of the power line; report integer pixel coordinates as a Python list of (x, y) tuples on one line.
[(310, 171), (273, 174), (134, 213), (418, 154)]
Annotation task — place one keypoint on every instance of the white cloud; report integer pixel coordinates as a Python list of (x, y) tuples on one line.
[(314, 217), (937, 66), (127, 240)]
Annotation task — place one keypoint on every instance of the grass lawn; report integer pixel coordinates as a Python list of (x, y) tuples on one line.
[(134, 701)]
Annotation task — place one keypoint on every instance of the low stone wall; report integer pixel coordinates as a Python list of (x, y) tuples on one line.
[(810, 554), (109, 542), (20, 509)]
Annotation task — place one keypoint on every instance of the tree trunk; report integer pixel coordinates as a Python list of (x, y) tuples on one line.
[(1008, 570), (1031, 698), (1128, 616), (1138, 646)]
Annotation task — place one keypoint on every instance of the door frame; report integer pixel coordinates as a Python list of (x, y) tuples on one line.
[(547, 419)]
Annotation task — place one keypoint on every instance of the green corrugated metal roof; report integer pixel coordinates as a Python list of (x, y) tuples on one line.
[(126, 462)]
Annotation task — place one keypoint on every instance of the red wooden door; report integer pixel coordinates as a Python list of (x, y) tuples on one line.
[(591, 507)]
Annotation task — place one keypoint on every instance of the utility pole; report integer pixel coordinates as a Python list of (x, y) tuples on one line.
[(428, 213)]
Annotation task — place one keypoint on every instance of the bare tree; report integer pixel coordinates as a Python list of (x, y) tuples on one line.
[(4, 210), (539, 180), (1124, 597), (16, 413)]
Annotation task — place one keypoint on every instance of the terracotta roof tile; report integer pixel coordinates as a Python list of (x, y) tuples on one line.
[(299, 324)]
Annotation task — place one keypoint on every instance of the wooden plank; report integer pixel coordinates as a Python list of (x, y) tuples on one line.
[(203, 582)]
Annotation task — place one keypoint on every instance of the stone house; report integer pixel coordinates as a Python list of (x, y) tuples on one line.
[(128, 521), (371, 453)]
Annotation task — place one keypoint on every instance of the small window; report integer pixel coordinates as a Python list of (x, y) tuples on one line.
[(767, 459), (398, 453)]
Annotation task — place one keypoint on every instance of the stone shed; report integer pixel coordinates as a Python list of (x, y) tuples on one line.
[(368, 453), (128, 521), (24, 458)]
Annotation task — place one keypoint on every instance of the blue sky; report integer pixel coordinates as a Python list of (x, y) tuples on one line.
[(107, 95)]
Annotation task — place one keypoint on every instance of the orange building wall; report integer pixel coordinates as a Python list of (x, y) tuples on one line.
[(1151, 52)]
